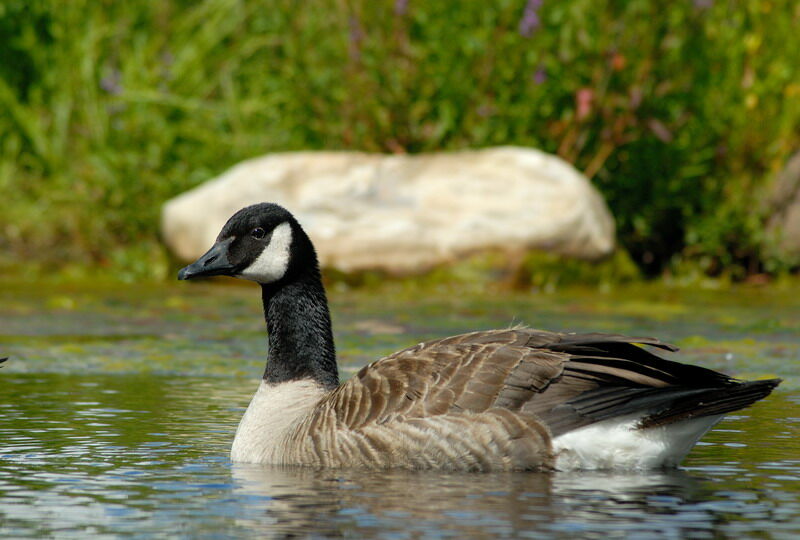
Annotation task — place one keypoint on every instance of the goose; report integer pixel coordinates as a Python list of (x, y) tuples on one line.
[(490, 400)]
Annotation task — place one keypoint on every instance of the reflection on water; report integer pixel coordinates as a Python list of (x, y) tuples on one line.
[(458, 505), (143, 455), (414, 502), (298, 501)]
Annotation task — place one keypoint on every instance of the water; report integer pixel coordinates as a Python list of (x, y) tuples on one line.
[(118, 406)]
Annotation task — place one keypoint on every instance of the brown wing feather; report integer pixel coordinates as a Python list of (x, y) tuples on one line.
[(522, 385), (521, 369)]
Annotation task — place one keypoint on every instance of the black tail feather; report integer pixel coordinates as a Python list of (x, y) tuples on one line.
[(715, 401), (606, 350)]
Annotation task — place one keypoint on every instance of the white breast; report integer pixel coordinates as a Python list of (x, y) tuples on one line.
[(274, 411)]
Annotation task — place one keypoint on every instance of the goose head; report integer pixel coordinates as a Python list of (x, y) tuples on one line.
[(261, 243)]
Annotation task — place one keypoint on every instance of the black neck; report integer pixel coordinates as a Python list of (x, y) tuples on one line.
[(300, 335)]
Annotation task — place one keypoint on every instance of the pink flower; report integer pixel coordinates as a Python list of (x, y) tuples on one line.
[(583, 102)]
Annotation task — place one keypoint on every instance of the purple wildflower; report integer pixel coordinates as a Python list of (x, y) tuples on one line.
[(530, 21), (112, 83), (703, 4), (540, 75), (485, 111), (167, 60), (356, 37), (400, 7), (661, 131)]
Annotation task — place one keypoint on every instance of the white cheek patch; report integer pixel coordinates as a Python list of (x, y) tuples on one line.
[(273, 262)]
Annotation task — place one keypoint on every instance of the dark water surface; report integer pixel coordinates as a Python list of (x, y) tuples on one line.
[(118, 406)]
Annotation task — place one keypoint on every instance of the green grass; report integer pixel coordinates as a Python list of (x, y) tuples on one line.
[(110, 108)]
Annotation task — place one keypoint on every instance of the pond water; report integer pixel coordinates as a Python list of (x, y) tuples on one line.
[(118, 406)]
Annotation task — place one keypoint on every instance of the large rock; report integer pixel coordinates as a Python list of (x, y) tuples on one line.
[(404, 213), (784, 210)]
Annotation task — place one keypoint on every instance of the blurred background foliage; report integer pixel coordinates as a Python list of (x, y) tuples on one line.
[(680, 112)]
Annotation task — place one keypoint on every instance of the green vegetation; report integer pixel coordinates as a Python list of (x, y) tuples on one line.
[(680, 112)]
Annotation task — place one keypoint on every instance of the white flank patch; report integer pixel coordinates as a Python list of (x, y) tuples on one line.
[(272, 414), (617, 444), (273, 262)]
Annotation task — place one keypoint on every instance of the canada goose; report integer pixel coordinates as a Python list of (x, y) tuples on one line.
[(491, 400)]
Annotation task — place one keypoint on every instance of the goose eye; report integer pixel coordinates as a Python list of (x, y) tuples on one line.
[(258, 233)]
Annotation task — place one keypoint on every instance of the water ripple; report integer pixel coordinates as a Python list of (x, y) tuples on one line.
[(140, 460)]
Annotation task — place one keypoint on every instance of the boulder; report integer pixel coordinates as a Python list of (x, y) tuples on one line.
[(784, 212), (406, 213)]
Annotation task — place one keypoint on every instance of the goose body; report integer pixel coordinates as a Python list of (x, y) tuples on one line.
[(514, 399)]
